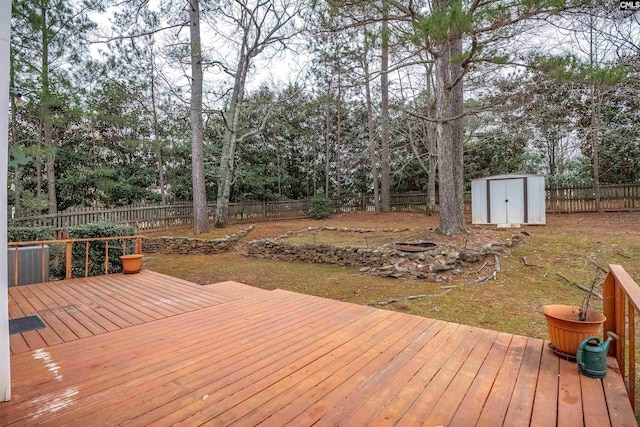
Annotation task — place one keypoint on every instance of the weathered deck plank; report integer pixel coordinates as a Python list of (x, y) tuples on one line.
[(546, 398), (231, 355), (83, 307)]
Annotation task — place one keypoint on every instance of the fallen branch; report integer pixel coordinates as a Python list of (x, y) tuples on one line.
[(578, 285), (410, 297), (624, 255), (525, 261), (483, 266), (598, 266), (493, 275), (483, 279)]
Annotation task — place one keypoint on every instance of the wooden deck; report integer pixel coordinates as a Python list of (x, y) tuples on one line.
[(80, 308), (280, 358)]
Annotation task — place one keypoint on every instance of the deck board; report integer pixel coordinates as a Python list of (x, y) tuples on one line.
[(234, 289), (79, 308), (497, 404), (521, 403), (546, 397), (229, 354), (444, 410)]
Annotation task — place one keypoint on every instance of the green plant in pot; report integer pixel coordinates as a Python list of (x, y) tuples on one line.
[(569, 325)]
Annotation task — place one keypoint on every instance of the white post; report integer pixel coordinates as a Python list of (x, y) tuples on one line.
[(5, 35)]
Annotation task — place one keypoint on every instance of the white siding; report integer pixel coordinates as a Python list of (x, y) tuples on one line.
[(5, 28), (536, 200), (478, 201)]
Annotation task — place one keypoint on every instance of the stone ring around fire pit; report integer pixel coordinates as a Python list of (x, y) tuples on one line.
[(413, 246)]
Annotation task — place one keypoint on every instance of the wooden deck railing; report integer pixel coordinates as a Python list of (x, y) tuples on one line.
[(621, 301), (69, 253)]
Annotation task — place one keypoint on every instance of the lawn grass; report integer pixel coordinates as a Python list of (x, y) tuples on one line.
[(567, 245)]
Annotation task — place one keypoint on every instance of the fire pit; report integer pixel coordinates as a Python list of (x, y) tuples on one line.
[(413, 246)]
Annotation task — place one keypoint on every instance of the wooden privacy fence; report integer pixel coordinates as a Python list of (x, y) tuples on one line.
[(613, 197), (68, 251), (621, 302), (623, 197)]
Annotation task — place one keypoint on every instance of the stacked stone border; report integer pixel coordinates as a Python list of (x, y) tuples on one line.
[(436, 265), (192, 246)]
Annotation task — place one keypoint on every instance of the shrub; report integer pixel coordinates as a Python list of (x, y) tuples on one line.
[(97, 248), (29, 234), (320, 207)]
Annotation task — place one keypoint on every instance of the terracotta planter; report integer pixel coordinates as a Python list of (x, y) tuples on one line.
[(566, 331), (131, 263)]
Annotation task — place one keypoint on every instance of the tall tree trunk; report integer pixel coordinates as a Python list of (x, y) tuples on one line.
[(553, 168), (279, 167), (327, 143), (51, 181), (156, 132), (315, 179), (230, 139), (17, 169), (449, 132), (457, 100), (338, 134), (200, 216), (595, 146), (163, 191), (372, 138), (432, 147), (385, 162), (433, 164), (47, 126), (39, 171)]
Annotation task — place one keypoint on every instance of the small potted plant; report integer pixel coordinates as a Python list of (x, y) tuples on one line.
[(131, 263), (569, 325)]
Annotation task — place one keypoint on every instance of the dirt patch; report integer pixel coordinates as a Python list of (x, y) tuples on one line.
[(375, 238), (213, 233)]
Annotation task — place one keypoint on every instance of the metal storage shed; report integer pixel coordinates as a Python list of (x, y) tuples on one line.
[(508, 199)]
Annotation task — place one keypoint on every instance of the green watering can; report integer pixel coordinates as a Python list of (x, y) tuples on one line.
[(592, 356)]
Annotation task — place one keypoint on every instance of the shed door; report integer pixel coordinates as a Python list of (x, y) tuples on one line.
[(506, 201)]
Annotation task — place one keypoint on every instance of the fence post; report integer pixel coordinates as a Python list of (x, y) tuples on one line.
[(68, 258)]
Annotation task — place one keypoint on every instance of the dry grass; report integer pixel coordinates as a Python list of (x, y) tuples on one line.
[(567, 244)]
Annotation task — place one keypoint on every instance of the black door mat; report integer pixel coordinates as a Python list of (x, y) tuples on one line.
[(25, 324)]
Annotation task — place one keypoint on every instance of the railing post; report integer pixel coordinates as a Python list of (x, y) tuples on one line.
[(138, 245), (609, 307), (15, 266), (632, 354), (106, 257), (620, 298), (42, 261), (68, 258), (86, 259)]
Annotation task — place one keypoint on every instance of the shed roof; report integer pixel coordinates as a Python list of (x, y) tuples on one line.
[(507, 176)]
